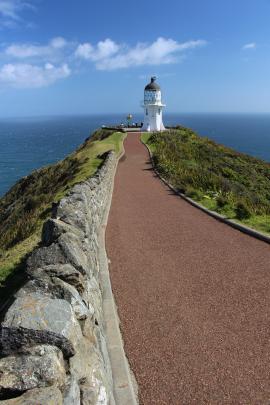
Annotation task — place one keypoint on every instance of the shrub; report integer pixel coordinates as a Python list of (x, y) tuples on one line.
[(192, 193), (100, 134), (221, 201), (242, 211)]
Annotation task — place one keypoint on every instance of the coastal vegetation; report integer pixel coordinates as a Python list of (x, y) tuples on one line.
[(223, 180), (28, 204)]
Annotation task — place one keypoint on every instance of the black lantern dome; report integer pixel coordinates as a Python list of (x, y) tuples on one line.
[(152, 86)]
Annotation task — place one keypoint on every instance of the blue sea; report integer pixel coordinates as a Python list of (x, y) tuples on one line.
[(30, 143)]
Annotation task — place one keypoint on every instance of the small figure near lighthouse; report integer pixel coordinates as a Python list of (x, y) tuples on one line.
[(152, 105)]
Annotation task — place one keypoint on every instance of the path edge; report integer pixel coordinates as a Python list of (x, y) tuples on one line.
[(242, 228), (124, 383)]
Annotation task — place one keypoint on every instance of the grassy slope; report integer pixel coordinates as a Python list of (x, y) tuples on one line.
[(27, 205), (223, 180)]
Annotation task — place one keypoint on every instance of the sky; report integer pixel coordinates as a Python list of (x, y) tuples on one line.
[(93, 57)]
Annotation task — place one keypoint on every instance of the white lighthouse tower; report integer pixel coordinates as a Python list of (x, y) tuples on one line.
[(152, 107)]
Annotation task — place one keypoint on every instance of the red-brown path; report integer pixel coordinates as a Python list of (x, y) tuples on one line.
[(193, 294)]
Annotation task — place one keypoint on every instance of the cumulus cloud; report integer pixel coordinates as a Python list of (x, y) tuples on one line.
[(251, 45), (30, 76), (24, 51), (39, 65), (109, 55), (103, 50), (33, 66)]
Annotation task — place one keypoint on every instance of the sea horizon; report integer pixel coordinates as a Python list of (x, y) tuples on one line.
[(30, 142)]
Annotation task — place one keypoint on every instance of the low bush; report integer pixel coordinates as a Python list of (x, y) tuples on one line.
[(221, 201), (242, 211), (192, 193)]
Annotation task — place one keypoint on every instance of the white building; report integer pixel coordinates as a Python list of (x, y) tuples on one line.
[(152, 105)]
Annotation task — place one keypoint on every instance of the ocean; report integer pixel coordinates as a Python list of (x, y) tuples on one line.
[(30, 143)]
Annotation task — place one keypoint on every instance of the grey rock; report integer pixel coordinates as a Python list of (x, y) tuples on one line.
[(37, 312), (42, 287), (93, 391), (73, 211), (70, 294), (72, 393), (89, 331), (46, 256), (71, 249), (65, 272), (93, 296), (39, 366), (38, 396), (53, 228), (87, 366), (57, 288), (13, 340)]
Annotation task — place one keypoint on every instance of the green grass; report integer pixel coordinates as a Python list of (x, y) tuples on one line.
[(145, 137), (27, 205), (223, 180)]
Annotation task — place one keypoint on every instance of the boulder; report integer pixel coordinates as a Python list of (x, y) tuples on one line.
[(65, 272), (54, 228), (87, 367), (38, 396), (71, 248), (36, 312), (45, 256), (70, 294), (13, 339), (66, 251), (57, 288), (36, 367), (74, 211)]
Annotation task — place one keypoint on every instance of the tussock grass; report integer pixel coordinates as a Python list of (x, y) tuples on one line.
[(27, 204), (231, 183)]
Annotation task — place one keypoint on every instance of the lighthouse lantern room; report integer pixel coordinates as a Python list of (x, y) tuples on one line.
[(152, 105)]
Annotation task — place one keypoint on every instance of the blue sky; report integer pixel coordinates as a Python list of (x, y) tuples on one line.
[(72, 57)]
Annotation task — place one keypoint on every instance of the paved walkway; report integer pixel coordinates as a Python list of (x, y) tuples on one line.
[(193, 294)]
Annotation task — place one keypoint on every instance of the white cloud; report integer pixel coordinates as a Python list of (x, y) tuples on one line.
[(31, 76), (10, 11), (58, 43), (251, 45), (24, 51), (103, 50), (39, 65), (109, 55)]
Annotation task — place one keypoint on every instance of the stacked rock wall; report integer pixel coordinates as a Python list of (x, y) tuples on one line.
[(52, 342)]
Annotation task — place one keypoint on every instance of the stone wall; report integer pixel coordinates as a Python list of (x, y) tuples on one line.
[(52, 341)]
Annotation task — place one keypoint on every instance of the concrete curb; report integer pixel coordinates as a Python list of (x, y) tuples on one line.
[(219, 217), (125, 387)]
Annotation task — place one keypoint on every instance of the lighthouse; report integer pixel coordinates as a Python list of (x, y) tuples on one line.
[(152, 106)]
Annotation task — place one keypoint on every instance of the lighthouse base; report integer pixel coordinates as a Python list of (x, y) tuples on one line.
[(153, 118), (153, 128)]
